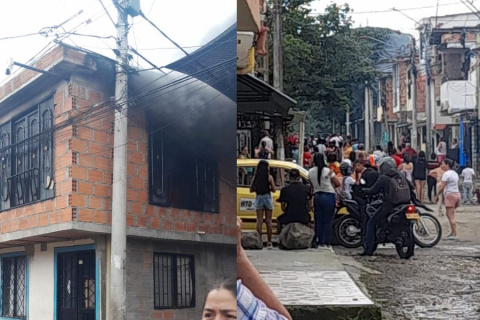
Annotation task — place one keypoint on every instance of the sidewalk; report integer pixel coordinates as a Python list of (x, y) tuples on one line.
[(313, 284)]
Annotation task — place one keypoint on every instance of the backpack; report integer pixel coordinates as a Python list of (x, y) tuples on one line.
[(399, 190)]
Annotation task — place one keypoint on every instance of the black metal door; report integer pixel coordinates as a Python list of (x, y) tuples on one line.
[(76, 285)]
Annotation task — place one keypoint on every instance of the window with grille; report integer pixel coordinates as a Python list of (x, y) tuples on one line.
[(26, 157), (14, 287), (174, 281), (180, 177)]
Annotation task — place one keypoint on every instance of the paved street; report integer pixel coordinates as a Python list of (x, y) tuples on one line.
[(438, 283)]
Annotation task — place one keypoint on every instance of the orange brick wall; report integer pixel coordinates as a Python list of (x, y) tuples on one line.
[(83, 176)]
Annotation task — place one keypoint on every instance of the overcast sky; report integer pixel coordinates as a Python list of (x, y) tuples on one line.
[(187, 22), (363, 15)]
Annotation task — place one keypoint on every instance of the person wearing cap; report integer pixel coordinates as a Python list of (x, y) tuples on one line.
[(296, 200)]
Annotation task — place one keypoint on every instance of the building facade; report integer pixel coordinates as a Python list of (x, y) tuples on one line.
[(56, 186)]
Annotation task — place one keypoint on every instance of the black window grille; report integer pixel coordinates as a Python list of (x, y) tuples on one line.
[(179, 177), (174, 281), (26, 155), (14, 287)]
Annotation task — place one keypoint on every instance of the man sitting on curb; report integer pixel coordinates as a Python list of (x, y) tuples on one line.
[(296, 201), (255, 299)]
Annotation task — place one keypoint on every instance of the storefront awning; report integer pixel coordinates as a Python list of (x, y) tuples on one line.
[(255, 95)]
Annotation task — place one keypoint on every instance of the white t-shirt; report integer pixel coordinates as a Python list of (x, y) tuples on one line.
[(326, 178), (269, 144), (347, 184), (337, 141), (451, 178), (442, 148), (468, 175), (380, 154)]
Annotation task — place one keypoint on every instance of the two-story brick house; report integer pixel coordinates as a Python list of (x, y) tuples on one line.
[(56, 145)]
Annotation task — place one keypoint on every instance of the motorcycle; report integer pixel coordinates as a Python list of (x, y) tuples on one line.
[(427, 229)]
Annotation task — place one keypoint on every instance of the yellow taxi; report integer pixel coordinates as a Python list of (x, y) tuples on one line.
[(280, 171)]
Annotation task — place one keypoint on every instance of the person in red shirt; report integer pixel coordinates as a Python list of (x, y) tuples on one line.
[(396, 157), (410, 151), (307, 158)]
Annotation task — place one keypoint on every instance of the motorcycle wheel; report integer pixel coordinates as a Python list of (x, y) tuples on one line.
[(428, 232), (345, 236), (405, 244)]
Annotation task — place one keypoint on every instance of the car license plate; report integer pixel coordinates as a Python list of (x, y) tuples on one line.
[(413, 216), (247, 205)]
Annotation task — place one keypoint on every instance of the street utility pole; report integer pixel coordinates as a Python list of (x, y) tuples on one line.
[(414, 143), (277, 46), (428, 99), (118, 257), (367, 118)]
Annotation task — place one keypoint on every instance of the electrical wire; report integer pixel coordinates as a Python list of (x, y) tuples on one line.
[(108, 14), (391, 10), (163, 33)]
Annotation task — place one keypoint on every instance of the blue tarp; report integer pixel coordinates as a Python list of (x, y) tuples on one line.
[(220, 57)]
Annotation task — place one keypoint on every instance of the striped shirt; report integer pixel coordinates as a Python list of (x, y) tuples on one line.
[(251, 308)]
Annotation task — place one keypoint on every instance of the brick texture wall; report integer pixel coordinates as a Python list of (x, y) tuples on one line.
[(388, 85), (403, 85), (421, 82)]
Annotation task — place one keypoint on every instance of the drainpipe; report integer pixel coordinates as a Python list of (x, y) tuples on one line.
[(119, 189)]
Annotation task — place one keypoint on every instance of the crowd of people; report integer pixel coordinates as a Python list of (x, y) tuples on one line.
[(338, 166)]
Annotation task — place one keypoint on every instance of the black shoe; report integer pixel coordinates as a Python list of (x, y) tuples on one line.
[(314, 245)]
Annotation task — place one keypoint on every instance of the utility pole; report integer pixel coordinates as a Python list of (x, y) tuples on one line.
[(119, 191), (367, 118), (347, 116), (427, 91), (414, 143), (277, 47), (371, 124)]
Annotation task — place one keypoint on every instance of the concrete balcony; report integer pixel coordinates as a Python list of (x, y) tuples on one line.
[(458, 96), (248, 15)]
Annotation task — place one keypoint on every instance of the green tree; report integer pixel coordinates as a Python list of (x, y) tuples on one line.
[(326, 61)]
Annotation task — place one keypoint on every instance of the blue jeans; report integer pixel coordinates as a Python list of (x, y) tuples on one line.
[(324, 207), (467, 192), (371, 230)]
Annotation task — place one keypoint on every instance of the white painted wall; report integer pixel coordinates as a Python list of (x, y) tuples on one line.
[(41, 278)]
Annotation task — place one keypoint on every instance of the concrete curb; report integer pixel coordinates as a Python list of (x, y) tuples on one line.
[(370, 312), (313, 284)]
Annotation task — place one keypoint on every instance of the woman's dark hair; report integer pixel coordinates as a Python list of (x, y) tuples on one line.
[(227, 284), (319, 162), (433, 156), (261, 175), (392, 152), (315, 149), (407, 158), (379, 148), (421, 154), (448, 162), (331, 157), (352, 156), (306, 149), (264, 144)]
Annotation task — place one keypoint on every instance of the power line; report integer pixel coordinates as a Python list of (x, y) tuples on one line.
[(390, 10), (108, 13), (163, 33)]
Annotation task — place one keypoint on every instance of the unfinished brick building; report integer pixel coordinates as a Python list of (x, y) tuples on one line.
[(56, 144)]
